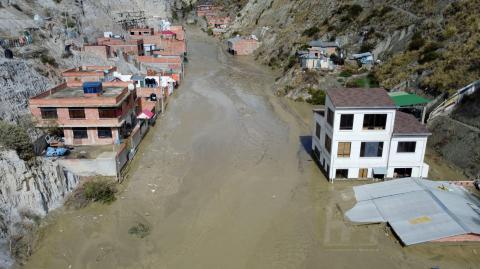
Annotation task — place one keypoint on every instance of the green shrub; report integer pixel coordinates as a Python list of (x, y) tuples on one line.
[(100, 191), (417, 42), (317, 97), (331, 28), (304, 47), (292, 60), (367, 47), (429, 53), (15, 137), (368, 81), (46, 59), (140, 230), (428, 57), (345, 74), (209, 31), (384, 10), (431, 46), (311, 31), (354, 10)]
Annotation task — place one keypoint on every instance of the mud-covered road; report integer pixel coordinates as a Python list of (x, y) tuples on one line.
[(223, 180)]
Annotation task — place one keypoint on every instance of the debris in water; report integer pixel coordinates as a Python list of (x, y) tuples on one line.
[(140, 230)]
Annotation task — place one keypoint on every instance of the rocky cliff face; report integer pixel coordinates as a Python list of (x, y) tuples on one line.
[(18, 82), (28, 191)]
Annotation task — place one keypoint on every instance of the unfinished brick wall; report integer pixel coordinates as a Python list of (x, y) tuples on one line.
[(245, 46), (98, 50)]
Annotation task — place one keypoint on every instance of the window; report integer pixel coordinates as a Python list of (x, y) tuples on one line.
[(316, 152), (341, 173), (80, 133), (317, 130), (346, 122), (76, 113), (363, 173), (108, 113), (330, 117), (374, 121), (104, 132), (344, 149), (371, 149), (406, 146), (328, 143), (402, 172), (48, 113)]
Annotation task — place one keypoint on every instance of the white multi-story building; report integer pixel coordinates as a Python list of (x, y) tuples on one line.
[(360, 134)]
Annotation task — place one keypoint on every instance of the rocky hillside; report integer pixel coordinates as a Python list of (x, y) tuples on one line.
[(28, 191), (431, 46), (18, 82)]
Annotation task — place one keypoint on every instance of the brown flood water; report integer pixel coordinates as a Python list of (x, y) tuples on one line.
[(224, 181)]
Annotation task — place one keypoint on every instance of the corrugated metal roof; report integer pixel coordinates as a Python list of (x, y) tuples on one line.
[(322, 44), (361, 55), (418, 210)]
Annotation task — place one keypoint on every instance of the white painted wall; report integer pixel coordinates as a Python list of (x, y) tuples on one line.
[(390, 158)]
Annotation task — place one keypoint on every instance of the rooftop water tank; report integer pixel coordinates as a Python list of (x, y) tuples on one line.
[(92, 87)]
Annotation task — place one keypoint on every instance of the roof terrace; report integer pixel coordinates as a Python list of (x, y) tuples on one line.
[(73, 95)]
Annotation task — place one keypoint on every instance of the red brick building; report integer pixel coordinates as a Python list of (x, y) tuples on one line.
[(164, 65), (87, 117), (179, 31), (242, 46), (170, 42), (219, 22), (207, 7), (141, 32), (129, 46), (88, 73), (101, 51)]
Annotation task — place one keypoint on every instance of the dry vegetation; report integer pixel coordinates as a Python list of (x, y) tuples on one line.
[(447, 58)]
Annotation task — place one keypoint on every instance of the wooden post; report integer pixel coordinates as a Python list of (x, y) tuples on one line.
[(424, 113)]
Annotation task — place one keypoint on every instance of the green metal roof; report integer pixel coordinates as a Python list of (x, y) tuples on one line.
[(402, 99)]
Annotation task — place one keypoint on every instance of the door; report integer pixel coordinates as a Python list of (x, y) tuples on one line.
[(363, 173)]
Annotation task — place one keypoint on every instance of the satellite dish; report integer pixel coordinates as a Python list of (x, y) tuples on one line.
[(131, 86)]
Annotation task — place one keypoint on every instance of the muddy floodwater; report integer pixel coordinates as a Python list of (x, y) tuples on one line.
[(224, 180)]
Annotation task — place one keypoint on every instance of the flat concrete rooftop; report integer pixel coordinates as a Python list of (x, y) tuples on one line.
[(77, 92)]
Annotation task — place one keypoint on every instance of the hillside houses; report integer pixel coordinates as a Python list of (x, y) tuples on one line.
[(216, 19), (170, 40), (207, 7), (98, 106), (320, 55)]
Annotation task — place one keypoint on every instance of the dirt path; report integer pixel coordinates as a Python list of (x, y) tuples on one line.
[(224, 181)]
